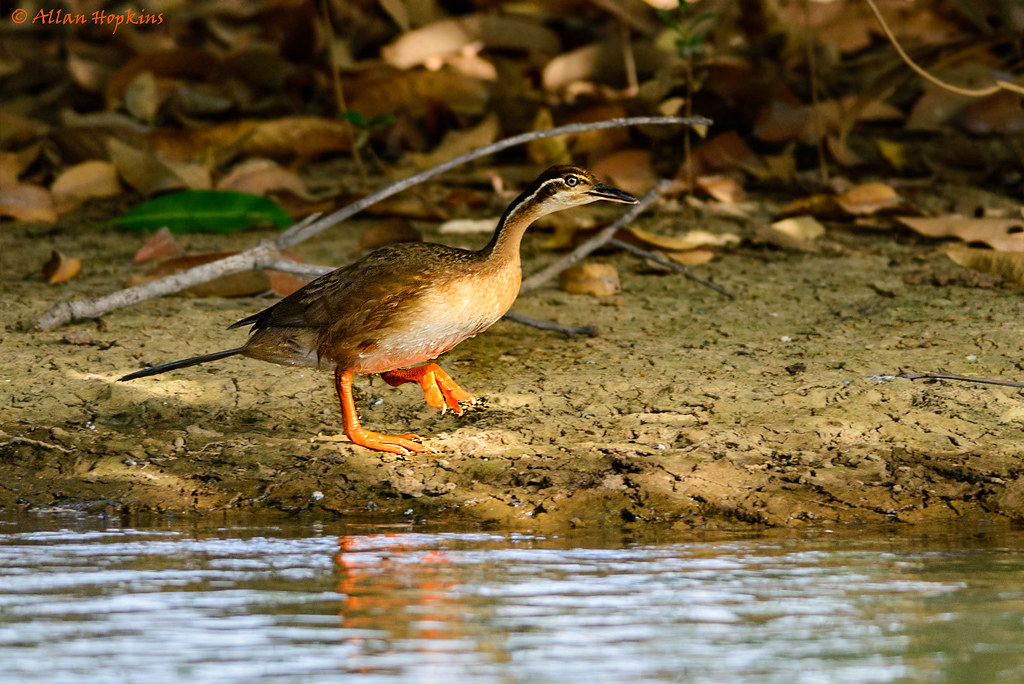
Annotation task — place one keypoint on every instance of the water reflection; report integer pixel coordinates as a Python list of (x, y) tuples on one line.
[(315, 603)]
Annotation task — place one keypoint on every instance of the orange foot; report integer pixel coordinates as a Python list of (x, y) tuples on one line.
[(439, 390), (403, 445)]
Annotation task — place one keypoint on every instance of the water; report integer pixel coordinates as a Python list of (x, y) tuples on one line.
[(83, 600)]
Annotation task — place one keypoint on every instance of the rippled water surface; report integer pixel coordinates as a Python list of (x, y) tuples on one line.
[(85, 600)]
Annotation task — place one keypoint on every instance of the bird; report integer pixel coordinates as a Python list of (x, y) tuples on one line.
[(402, 305)]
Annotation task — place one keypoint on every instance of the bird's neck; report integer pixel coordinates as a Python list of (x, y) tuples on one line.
[(504, 245)]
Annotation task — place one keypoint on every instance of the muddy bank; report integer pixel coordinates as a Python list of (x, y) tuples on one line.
[(768, 409)]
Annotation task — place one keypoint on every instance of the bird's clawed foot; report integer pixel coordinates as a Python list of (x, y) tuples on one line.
[(403, 445), (439, 389)]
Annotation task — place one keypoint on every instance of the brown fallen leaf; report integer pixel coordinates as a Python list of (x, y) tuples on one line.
[(304, 137), (600, 280), (547, 151), (388, 232), (722, 188), (1004, 234), (417, 93), (998, 114), (868, 198), (451, 36), (177, 63), (1007, 264), (283, 284), (27, 203), (456, 143), (262, 176), (60, 268), (725, 152), (632, 170), (160, 246), (795, 234), (692, 257), (84, 181), (689, 240), (142, 170)]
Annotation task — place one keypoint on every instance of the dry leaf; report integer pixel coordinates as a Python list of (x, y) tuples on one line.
[(60, 268), (597, 144), (679, 243), (998, 114), (388, 232), (452, 36), (725, 152), (1004, 234), (631, 170), (460, 142), (160, 246), (547, 151), (894, 152), (722, 188), (142, 169), (142, 97), (868, 198), (417, 93), (306, 137), (800, 227), (10, 169), (468, 226), (86, 180), (283, 284), (263, 176), (600, 280), (692, 257), (27, 203), (1007, 264)]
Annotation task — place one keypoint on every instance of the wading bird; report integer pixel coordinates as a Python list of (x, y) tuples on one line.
[(405, 304)]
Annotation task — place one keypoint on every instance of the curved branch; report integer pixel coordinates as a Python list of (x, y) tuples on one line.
[(67, 311)]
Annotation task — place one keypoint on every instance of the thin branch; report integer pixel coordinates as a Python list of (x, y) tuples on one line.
[(569, 330), (964, 378), (665, 261), (67, 311), (295, 234), (970, 92), (598, 241)]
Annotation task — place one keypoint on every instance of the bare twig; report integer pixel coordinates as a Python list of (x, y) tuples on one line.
[(296, 234), (664, 261), (569, 330), (67, 311), (970, 92), (965, 378), (598, 241), (36, 443)]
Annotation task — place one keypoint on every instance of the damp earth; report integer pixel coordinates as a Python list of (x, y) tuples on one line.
[(778, 407)]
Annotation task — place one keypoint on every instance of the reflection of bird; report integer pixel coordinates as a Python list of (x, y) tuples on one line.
[(404, 304)]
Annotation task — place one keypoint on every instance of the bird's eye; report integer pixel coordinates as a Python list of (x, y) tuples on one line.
[(572, 181)]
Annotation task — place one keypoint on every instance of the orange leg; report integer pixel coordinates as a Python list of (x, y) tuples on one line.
[(396, 444), (439, 390)]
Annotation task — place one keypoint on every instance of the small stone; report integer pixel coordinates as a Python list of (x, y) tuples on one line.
[(316, 496)]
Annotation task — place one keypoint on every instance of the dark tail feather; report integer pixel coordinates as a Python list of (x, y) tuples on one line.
[(183, 363)]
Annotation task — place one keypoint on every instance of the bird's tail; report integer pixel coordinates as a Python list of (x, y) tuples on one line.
[(183, 363)]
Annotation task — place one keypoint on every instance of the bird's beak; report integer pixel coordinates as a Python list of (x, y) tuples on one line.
[(607, 192)]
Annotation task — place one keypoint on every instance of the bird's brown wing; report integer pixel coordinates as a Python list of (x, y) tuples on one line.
[(363, 294)]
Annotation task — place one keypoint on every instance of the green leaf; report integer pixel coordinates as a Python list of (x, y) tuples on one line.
[(354, 118), (196, 211)]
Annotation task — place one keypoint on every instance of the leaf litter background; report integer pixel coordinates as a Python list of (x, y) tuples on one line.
[(841, 199)]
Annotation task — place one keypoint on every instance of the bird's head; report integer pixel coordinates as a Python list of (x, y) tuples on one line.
[(561, 187)]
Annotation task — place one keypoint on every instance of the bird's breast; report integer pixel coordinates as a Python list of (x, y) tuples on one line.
[(440, 318)]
